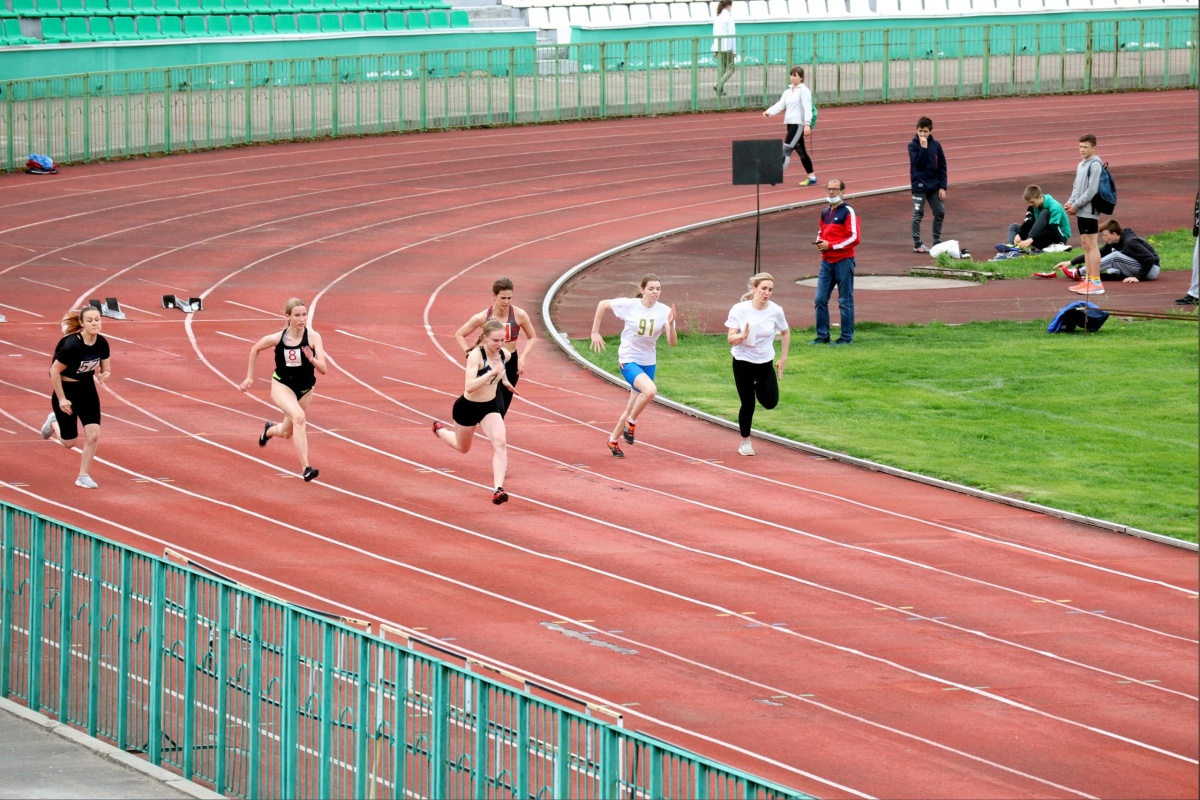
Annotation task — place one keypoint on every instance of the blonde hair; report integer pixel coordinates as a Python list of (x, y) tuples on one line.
[(290, 304), (72, 321), (489, 326), (754, 281)]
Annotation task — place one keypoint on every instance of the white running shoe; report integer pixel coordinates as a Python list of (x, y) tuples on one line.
[(745, 448), (47, 426), (85, 482)]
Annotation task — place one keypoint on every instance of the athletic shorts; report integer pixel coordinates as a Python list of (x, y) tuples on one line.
[(298, 389), (469, 413), (630, 372), (85, 408), (1087, 225)]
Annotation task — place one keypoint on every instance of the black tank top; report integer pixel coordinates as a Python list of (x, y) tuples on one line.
[(291, 364), (486, 366)]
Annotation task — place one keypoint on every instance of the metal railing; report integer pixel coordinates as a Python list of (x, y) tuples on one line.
[(260, 698), (91, 117)]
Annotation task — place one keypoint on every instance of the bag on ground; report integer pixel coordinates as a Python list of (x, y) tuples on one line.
[(38, 164), (1079, 314)]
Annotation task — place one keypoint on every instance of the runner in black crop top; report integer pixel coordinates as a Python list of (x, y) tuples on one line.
[(293, 368)]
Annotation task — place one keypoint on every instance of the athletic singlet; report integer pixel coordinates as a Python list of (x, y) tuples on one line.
[(486, 366), (511, 329), (292, 365)]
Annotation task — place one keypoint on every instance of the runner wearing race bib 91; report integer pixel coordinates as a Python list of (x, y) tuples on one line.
[(645, 320)]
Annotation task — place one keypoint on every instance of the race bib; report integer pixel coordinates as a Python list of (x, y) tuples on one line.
[(88, 366), (292, 357)]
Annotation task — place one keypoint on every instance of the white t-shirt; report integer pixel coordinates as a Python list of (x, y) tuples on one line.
[(642, 328), (759, 346)]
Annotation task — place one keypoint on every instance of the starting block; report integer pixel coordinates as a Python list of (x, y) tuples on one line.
[(109, 308), (2, 319), (186, 306)]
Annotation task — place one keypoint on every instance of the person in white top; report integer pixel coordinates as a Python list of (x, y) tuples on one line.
[(645, 320), (752, 326), (796, 100), (724, 44)]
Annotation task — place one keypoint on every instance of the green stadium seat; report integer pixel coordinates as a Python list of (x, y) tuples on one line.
[(239, 25), (98, 8), (307, 23), (76, 30), (459, 18), (416, 20), (102, 29), (330, 23), (280, 7), (166, 7), (171, 27), (302, 6), (10, 33), (373, 22), (394, 21), (26, 8), (286, 24), (52, 30), (258, 6), (143, 8), (217, 24), (193, 26), (211, 7), (373, 5), (352, 23), (124, 29), (187, 7), (146, 27), (262, 24), (235, 7), (438, 19), (72, 8)]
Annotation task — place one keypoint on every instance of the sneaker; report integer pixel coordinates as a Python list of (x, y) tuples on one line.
[(1089, 288), (920, 248), (615, 449), (1045, 275), (809, 182), (1077, 286), (843, 341), (628, 432), (500, 496), (1072, 273), (262, 440), (819, 341), (1186, 300), (48, 425), (85, 482), (437, 426), (310, 474), (745, 448)]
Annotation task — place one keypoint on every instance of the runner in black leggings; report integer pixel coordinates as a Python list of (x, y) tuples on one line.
[(752, 326)]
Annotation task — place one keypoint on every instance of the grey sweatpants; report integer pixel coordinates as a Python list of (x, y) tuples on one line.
[(1117, 266)]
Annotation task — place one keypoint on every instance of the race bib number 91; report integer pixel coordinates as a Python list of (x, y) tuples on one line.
[(645, 327)]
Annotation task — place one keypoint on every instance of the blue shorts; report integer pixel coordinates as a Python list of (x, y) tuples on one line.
[(630, 372)]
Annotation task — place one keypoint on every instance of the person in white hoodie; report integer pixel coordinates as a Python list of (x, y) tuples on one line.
[(796, 101), (724, 44)]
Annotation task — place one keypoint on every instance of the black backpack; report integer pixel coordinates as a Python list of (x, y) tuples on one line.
[(1106, 198)]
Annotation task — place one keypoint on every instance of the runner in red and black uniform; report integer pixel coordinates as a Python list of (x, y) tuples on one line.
[(515, 321), (299, 355), (80, 360)]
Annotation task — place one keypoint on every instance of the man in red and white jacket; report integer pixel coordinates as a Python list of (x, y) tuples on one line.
[(836, 239)]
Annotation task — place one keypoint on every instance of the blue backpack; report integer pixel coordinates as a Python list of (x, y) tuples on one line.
[(1106, 199)]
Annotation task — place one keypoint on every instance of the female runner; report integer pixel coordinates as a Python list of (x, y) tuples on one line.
[(515, 320), (645, 320), (752, 326), (299, 355), (481, 404), (80, 359)]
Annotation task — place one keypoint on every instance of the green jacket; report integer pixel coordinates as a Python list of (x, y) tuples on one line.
[(1057, 215)]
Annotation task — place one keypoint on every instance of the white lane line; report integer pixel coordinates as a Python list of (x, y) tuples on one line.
[(272, 314), (139, 344), (110, 415), (376, 341), (239, 338), (43, 283), (358, 613), (140, 310), (152, 283), (22, 310), (26, 349)]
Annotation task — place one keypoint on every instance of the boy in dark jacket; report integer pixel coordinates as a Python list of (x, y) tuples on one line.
[(927, 173), (1125, 256)]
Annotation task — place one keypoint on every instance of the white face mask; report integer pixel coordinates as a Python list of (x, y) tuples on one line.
[(837, 198)]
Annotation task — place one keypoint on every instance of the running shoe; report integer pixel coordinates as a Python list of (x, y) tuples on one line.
[(310, 474), (1088, 288), (48, 426), (819, 341), (809, 182), (615, 449), (437, 426), (85, 482), (628, 432), (1072, 273), (1046, 275), (262, 440), (500, 496), (920, 248), (745, 448)]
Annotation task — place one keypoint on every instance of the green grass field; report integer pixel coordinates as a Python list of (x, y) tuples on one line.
[(1104, 425)]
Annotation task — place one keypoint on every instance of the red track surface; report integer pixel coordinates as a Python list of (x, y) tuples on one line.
[(841, 631)]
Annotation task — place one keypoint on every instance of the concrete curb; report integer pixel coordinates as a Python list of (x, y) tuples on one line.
[(107, 751), (563, 342)]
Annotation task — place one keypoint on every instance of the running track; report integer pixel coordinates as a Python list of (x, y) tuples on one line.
[(844, 632)]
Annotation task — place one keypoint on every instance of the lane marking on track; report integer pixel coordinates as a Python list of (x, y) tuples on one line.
[(22, 310), (140, 310), (43, 283), (376, 341), (272, 314), (239, 338)]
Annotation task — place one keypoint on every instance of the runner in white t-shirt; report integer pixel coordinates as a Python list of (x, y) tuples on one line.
[(645, 320), (752, 326)]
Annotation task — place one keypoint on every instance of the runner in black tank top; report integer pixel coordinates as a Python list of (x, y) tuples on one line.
[(299, 355), (515, 321)]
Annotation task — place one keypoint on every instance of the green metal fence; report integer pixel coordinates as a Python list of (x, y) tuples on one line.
[(100, 116), (258, 698)]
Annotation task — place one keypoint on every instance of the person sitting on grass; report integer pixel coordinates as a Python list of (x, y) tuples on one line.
[(1124, 256), (1045, 222)]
